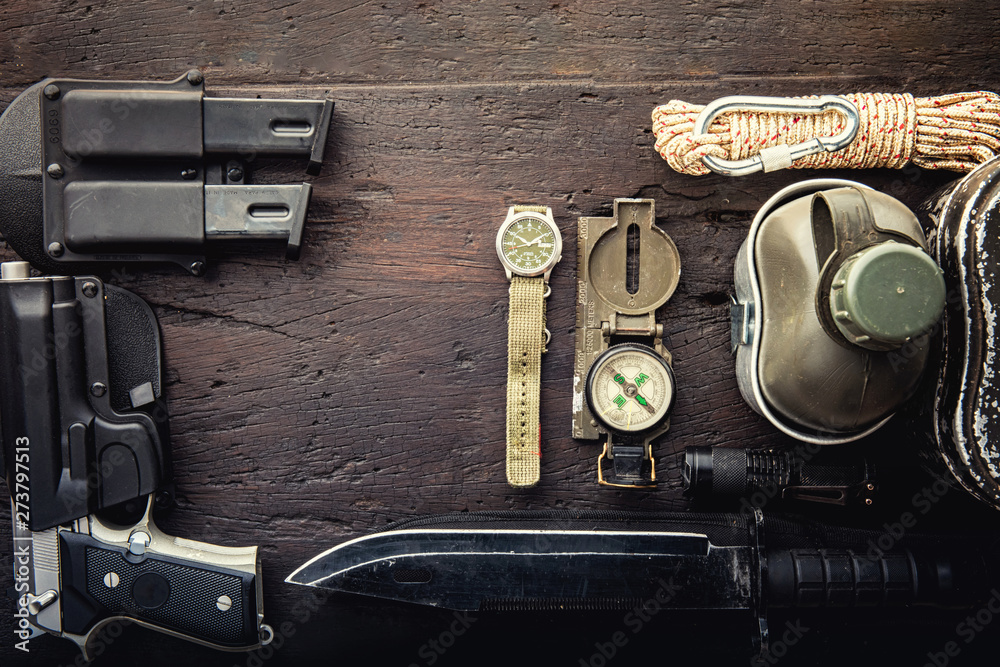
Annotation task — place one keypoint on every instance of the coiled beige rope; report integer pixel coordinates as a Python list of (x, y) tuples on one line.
[(956, 132)]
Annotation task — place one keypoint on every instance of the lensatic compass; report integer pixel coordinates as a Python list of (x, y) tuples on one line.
[(630, 388), (623, 384)]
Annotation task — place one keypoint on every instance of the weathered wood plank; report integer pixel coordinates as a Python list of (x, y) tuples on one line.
[(398, 41), (315, 400)]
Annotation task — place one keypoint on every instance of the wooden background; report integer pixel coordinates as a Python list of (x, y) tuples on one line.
[(313, 401)]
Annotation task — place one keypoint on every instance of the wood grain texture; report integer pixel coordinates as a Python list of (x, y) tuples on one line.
[(290, 41), (313, 401)]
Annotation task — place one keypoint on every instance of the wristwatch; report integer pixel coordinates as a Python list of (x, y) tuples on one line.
[(529, 246)]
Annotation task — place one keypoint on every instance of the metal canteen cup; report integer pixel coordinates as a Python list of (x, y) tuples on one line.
[(835, 293)]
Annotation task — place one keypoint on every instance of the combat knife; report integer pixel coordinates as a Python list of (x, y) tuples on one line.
[(537, 560)]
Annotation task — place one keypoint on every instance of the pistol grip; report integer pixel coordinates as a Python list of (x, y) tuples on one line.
[(197, 591)]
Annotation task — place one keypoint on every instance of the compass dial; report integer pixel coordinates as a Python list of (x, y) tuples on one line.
[(630, 388), (529, 245)]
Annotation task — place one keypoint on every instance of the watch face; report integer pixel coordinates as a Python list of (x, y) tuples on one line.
[(528, 244), (630, 388)]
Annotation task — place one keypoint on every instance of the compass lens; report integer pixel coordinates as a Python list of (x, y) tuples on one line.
[(630, 388)]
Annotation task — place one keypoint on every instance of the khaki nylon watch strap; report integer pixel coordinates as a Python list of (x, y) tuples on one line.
[(525, 340), (523, 208)]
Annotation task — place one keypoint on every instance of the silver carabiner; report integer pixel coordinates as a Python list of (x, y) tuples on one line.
[(777, 157)]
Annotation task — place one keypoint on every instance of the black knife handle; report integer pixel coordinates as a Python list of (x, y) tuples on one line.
[(843, 578)]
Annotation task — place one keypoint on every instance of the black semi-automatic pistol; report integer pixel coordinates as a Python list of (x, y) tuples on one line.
[(84, 438), (126, 171)]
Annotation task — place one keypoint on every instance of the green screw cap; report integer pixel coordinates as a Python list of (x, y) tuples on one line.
[(886, 294)]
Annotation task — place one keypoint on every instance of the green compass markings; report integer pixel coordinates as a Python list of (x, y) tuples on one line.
[(632, 388)]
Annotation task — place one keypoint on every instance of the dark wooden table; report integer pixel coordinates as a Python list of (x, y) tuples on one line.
[(313, 401)]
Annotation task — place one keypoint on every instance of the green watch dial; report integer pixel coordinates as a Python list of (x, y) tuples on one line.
[(630, 388), (528, 244)]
